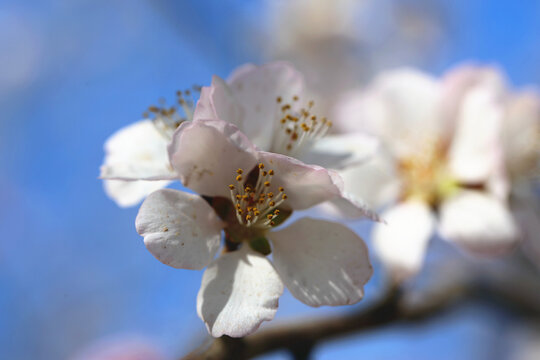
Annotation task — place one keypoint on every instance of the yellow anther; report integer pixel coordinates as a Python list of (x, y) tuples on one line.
[(284, 196), (270, 172), (278, 99), (294, 136), (239, 171), (261, 201), (264, 173), (238, 196), (283, 120), (231, 186), (330, 124), (267, 183), (313, 118), (270, 195), (272, 203), (272, 223), (256, 213), (261, 166), (244, 197), (276, 212), (240, 211), (247, 189), (281, 189), (295, 98), (270, 216), (239, 178), (249, 217)]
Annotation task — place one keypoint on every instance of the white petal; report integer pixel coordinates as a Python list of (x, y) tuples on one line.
[(401, 107), (376, 181), (239, 291), (179, 229), (339, 151), (136, 152), (479, 222), (129, 193), (207, 153), (401, 243), (476, 151), (256, 89), (218, 102), (321, 262)]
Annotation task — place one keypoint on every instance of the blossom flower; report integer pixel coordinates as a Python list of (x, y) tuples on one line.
[(520, 138), (246, 193), (441, 168), (136, 155), (269, 104)]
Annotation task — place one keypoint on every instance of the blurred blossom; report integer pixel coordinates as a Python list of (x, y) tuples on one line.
[(442, 167), (339, 44), (121, 348), (136, 156), (247, 192)]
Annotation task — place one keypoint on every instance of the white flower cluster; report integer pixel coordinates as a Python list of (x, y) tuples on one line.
[(453, 155)]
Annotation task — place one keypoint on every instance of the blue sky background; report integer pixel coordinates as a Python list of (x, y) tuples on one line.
[(72, 268)]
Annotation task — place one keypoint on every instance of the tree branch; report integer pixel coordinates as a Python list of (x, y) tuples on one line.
[(394, 308)]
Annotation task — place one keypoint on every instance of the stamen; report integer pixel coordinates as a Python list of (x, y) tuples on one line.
[(298, 127), (167, 118), (254, 205)]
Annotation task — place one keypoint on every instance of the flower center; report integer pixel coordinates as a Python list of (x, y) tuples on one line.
[(167, 118), (426, 177), (298, 128), (256, 206)]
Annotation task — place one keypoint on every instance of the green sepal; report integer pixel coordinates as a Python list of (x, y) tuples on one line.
[(260, 245)]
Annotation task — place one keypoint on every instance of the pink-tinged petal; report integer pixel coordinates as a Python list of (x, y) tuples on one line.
[(340, 151), (401, 243), (401, 107), (305, 185), (478, 222), (218, 102), (180, 229), (256, 88), (207, 153), (458, 81), (239, 291), (476, 151), (130, 193), (321, 262), (137, 152)]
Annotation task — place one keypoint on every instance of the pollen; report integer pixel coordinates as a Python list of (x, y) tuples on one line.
[(298, 127), (167, 118), (254, 204)]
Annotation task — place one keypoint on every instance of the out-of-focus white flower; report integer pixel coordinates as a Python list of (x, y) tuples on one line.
[(247, 192), (442, 165), (136, 155)]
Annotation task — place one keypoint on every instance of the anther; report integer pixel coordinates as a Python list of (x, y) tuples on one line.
[(239, 178)]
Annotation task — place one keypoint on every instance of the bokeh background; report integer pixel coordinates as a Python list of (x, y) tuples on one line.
[(74, 274)]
